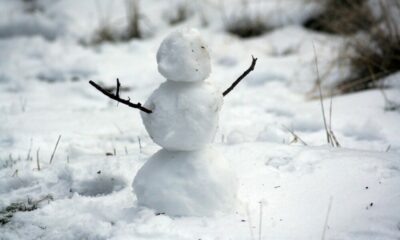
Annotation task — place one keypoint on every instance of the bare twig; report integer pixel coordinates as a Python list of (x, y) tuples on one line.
[(118, 86), (251, 68), (55, 148), (118, 99)]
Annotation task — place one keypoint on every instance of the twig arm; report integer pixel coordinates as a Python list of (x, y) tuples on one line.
[(117, 98), (251, 68)]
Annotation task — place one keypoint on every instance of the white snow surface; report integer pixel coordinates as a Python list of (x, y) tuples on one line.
[(183, 57), (187, 183), (284, 188), (185, 115)]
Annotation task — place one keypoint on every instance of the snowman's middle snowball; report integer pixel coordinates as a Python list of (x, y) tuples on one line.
[(185, 115)]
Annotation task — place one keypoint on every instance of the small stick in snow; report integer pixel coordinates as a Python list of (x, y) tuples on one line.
[(55, 148), (28, 156), (249, 221), (327, 218), (330, 114), (335, 141), (260, 222), (328, 137), (37, 159), (140, 144), (240, 78), (295, 136), (117, 98), (388, 148)]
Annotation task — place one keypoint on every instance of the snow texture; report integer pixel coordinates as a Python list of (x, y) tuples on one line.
[(195, 183), (44, 93), (183, 57), (185, 115)]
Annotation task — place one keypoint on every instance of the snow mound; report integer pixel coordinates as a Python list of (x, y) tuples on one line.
[(183, 57), (185, 115), (198, 183)]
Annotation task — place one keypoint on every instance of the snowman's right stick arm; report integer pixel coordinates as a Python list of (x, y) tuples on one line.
[(118, 99), (240, 78)]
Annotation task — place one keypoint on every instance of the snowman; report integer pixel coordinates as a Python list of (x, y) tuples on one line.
[(187, 177)]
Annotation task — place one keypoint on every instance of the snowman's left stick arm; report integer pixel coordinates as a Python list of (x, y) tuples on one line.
[(117, 98), (240, 78)]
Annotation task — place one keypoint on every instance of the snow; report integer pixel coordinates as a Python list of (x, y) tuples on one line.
[(288, 187), (188, 183), (183, 57), (185, 115)]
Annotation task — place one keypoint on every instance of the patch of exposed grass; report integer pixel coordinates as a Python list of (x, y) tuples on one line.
[(246, 22), (342, 17), (376, 54), (246, 26), (107, 32), (30, 205)]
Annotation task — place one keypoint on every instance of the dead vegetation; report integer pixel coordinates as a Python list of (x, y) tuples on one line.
[(246, 26), (342, 17), (24, 206), (330, 136), (108, 32), (133, 16), (376, 54), (180, 13), (373, 40), (32, 6), (246, 22), (327, 118)]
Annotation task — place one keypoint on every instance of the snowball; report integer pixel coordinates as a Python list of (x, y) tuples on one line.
[(185, 115), (197, 183), (183, 57)]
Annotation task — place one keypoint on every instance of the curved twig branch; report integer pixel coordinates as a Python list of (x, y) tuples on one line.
[(117, 98), (251, 68)]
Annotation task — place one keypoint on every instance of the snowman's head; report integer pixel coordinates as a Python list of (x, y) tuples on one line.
[(183, 57)]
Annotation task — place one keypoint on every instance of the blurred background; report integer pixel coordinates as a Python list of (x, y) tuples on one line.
[(49, 49)]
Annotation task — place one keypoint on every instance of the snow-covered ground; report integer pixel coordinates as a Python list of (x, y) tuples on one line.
[(286, 190)]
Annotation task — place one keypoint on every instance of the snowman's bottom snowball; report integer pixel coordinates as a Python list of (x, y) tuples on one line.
[(198, 183)]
